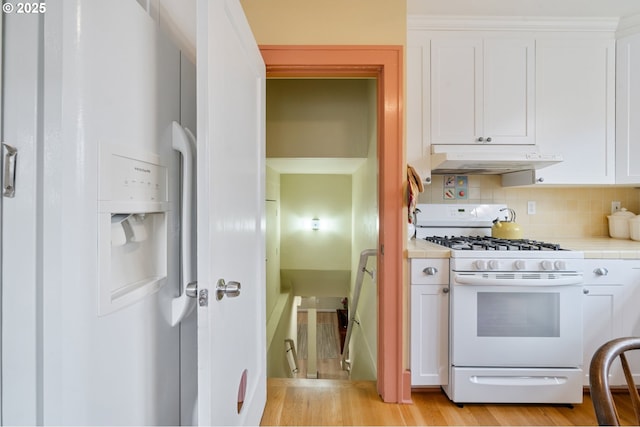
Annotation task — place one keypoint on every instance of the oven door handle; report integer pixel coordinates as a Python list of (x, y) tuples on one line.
[(475, 280)]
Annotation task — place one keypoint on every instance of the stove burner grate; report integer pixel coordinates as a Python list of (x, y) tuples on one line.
[(484, 243)]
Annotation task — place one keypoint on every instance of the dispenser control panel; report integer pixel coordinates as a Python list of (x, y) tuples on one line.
[(134, 179)]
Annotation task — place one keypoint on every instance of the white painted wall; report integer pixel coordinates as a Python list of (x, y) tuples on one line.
[(363, 349), (328, 198)]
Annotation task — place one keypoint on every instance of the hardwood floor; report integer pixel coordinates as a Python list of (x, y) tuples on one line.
[(341, 402), (333, 400)]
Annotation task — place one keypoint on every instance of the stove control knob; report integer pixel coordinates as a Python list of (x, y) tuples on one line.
[(519, 264), (546, 265), (480, 264), (560, 265), (494, 264)]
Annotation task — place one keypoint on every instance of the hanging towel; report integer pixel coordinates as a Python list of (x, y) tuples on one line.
[(414, 188)]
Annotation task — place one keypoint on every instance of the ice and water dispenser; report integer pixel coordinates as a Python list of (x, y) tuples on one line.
[(132, 226)]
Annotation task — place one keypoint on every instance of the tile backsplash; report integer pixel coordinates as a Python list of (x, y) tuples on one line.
[(561, 212)]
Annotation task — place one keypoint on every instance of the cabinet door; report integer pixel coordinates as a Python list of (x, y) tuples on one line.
[(575, 109), (509, 67), (417, 105), (482, 91), (628, 110), (602, 322), (631, 312), (456, 90), (429, 335)]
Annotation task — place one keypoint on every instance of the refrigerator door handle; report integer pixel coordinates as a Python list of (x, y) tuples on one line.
[(184, 142), (9, 176)]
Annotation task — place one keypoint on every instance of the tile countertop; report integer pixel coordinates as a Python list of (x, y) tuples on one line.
[(420, 248), (603, 247), (593, 247)]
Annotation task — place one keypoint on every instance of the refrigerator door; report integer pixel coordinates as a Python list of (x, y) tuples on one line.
[(230, 218)]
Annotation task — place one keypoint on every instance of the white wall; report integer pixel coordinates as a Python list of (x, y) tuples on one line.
[(279, 296), (363, 349), (309, 118), (328, 198)]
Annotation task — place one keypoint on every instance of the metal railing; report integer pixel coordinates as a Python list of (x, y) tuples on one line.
[(292, 356), (362, 268)]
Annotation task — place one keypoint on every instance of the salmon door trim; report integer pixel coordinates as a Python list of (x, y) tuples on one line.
[(385, 63)]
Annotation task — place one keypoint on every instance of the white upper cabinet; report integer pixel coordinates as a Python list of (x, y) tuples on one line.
[(575, 107), (628, 110), (544, 83), (417, 101), (481, 90)]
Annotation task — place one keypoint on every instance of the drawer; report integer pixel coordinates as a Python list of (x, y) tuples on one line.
[(606, 272), (430, 271)]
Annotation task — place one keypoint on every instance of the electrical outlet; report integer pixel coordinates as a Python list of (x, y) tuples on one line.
[(615, 207), (531, 207)]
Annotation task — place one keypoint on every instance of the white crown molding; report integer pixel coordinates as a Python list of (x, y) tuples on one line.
[(629, 25), (510, 23)]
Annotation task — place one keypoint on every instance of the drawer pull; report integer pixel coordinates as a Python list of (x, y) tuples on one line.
[(430, 271), (601, 271)]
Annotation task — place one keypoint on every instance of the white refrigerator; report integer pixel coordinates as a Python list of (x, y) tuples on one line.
[(97, 247)]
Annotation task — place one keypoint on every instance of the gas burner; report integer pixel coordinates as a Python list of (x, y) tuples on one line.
[(484, 243)]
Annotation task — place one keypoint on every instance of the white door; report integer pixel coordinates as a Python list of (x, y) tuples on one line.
[(231, 226)]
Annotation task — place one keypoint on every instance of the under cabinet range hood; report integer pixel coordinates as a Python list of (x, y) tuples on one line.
[(488, 159)]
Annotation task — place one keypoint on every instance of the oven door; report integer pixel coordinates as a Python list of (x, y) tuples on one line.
[(523, 323)]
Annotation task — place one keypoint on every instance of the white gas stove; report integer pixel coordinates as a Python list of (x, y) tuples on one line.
[(515, 310)]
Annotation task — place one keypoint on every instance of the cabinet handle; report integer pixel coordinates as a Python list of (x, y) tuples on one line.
[(445, 291), (601, 271), (480, 139), (489, 139), (430, 271), (585, 291), (541, 179)]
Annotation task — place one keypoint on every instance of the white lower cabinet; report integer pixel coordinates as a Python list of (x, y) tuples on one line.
[(429, 322), (631, 313), (611, 301)]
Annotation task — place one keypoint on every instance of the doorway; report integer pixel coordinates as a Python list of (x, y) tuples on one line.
[(385, 64), (322, 172)]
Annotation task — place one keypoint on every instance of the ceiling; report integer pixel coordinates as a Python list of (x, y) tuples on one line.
[(539, 8)]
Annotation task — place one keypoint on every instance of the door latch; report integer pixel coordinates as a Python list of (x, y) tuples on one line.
[(9, 176), (203, 294)]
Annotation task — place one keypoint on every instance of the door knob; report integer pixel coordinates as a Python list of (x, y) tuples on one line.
[(231, 289)]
